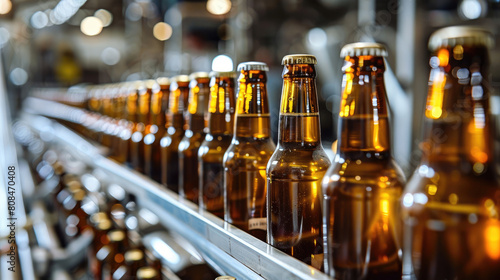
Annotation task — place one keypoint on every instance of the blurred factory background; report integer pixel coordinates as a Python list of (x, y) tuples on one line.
[(62, 43)]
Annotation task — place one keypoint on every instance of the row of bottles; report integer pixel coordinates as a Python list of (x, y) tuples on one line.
[(346, 218)]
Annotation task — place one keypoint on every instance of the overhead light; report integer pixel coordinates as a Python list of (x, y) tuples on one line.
[(162, 31), (91, 26), (218, 7)]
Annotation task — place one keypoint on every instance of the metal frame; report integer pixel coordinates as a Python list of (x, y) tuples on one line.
[(228, 249)]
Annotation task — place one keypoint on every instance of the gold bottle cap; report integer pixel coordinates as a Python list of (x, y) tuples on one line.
[(197, 75), (133, 255), (78, 194), (252, 65), (146, 273), (299, 59), (96, 218), (225, 277), (151, 83), (104, 224), (116, 235), (73, 185), (363, 48), (223, 74), (180, 78), (460, 35), (163, 81)]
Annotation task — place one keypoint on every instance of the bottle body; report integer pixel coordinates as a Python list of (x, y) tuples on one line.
[(246, 158), (193, 137), (179, 90), (220, 121), (295, 170), (452, 200), (363, 187)]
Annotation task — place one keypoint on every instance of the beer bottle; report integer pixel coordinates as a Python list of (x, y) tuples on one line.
[(117, 247), (179, 92), (362, 188), (451, 203), (219, 120), (134, 260), (295, 170), (199, 89), (132, 104), (246, 158), (120, 140), (143, 120), (152, 153), (101, 227), (150, 128)]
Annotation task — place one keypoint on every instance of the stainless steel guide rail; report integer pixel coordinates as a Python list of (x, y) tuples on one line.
[(228, 249)]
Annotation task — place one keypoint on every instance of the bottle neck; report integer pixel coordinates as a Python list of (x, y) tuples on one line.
[(252, 119), (299, 112), (144, 107), (156, 111), (363, 118), (179, 92), (457, 121), (220, 117), (132, 107), (198, 104)]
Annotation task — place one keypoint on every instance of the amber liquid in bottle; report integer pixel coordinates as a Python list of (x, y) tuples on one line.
[(132, 114), (193, 137), (153, 104), (362, 188), (118, 145), (179, 92), (220, 120), (452, 200), (152, 151), (246, 158), (143, 122), (295, 170)]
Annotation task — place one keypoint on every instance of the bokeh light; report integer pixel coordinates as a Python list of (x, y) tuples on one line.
[(218, 7), (18, 76), (5, 7), (91, 26), (162, 31), (39, 20), (105, 16), (110, 56), (222, 63)]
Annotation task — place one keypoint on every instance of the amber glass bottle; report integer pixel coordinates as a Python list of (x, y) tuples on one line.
[(132, 117), (219, 134), (152, 152), (120, 141), (452, 200), (179, 92), (362, 188), (199, 88), (150, 107), (143, 120), (118, 245), (298, 164), (246, 158)]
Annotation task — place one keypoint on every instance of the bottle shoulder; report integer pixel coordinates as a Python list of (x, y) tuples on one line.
[(369, 175), (241, 153), (445, 185), (298, 163)]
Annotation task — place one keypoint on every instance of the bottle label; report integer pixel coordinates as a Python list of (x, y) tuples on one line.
[(257, 223)]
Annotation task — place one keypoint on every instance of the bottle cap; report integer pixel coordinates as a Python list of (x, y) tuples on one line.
[(151, 83), (180, 78), (225, 277), (116, 235), (146, 273), (197, 75), (133, 255), (104, 224), (363, 48), (460, 35), (252, 65), (223, 74), (163, 81), (299, 59)]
